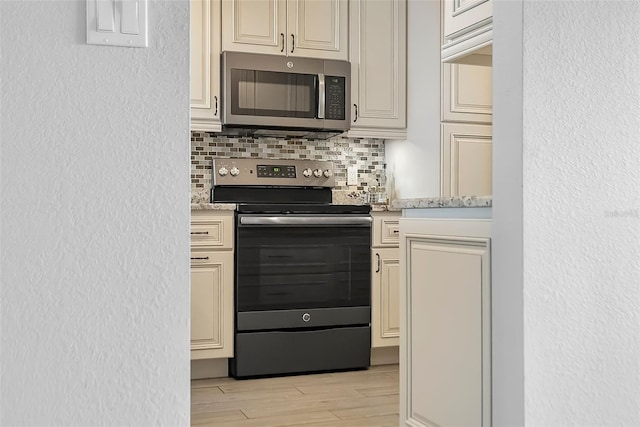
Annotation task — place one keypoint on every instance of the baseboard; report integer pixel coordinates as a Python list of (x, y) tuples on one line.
[(209, 368), (385, 355)]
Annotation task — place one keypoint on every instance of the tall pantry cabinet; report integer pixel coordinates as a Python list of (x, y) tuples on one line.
[(466, 115)]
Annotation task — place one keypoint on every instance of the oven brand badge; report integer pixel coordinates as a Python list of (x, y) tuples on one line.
[(306, 317)]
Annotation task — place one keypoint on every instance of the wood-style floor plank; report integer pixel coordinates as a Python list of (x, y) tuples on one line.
[(340, 399)]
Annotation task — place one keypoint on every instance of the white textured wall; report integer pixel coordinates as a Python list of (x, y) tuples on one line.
[(581, 210), (94, 220), (415, 163)]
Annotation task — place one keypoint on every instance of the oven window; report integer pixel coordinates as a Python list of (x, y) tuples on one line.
[(281, 268), (273, 94)]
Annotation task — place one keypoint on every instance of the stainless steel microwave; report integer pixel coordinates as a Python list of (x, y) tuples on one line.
[(278, 92)]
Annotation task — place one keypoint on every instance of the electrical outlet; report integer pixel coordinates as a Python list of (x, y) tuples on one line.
[(352, 175)]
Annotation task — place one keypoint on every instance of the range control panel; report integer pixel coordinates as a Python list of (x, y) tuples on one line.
[(305, 173)]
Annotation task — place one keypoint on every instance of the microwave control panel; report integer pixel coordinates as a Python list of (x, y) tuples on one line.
[(334, 98)]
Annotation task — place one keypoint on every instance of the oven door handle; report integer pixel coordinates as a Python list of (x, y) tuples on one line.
[(321, 221)]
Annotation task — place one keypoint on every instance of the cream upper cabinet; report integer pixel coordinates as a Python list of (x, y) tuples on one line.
[(211, 284), (304, 28), (466, 168), (445, 349), (466, 93), (467, 31), (205, 65), (385, 284), (378, 56)]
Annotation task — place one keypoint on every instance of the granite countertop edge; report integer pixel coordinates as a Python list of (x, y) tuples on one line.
[(444, 202), (213, 206), (232, 207)]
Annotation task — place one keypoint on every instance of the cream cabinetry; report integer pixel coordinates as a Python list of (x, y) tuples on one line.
[(385, 291), (466, 93), (466, 154), (205, 65), (378, 55), (467, 30), (305, 28), (445, 350), (211, 284)]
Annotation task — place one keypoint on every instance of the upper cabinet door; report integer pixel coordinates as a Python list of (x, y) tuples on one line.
[(257, 26), (462, 15), (205, 65), (305, 28), (466, 93), (467, 31), (378, 68), (318, 28)]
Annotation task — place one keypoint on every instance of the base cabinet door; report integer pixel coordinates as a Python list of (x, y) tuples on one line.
[(445, 353), (211, 304), (385, 298)]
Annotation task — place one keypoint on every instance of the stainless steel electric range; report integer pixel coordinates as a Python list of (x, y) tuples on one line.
[(302, 268)]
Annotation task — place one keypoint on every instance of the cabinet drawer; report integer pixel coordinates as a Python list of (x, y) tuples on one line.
[(204, 257), (386, 230), (209, 230)]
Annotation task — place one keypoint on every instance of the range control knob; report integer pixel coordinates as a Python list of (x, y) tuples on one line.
[(327, 173), (223, 171), (306, 172), (317, 173)]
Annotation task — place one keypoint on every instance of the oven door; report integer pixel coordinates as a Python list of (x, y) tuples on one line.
[(297, 271)]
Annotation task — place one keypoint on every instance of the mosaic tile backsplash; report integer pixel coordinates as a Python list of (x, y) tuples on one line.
[(367, 154)]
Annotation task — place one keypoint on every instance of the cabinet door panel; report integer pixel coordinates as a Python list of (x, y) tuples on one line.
[(320, 28), (466, 168), (447, 378), (466, 93), (205, 65), (460, 15), (254, 25), (378, 61), (385, 298), (212, 304)]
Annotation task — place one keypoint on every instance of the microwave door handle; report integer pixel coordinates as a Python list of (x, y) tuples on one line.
[(321, 96)]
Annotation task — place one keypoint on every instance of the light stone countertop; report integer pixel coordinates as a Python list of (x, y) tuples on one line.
[(213, 206), (200, 201), (444, 202)]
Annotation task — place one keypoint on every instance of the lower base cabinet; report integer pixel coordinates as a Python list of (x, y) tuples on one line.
[(385, 298), (211, 284), (385, 283), (211, 305), (445, 350)]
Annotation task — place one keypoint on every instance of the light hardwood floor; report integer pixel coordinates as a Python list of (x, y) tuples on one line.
[(366, 398)]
